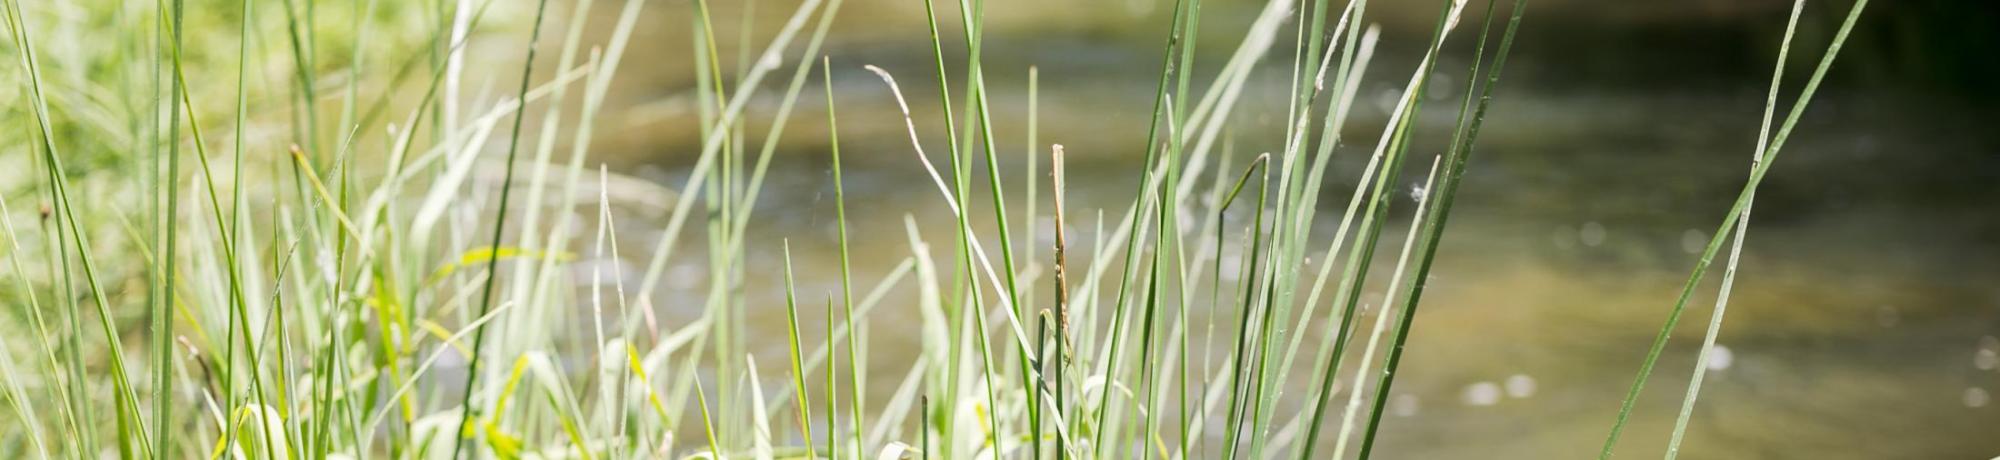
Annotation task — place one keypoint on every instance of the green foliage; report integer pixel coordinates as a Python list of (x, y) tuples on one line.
[(340, 298)]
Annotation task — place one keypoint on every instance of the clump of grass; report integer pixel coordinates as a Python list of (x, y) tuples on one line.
[(312, 309)]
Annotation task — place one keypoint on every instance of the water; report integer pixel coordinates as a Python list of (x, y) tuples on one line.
[(1862, 325)]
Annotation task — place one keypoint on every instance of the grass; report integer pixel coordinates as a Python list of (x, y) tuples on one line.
[(1767, 154), (331, 291)]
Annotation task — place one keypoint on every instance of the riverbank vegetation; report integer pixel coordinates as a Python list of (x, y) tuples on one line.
[(280, 229)]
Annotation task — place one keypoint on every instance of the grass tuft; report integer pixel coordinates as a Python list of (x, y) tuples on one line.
[(335, 286)]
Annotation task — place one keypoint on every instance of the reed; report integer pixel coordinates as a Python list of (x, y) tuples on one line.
[(331, 290)]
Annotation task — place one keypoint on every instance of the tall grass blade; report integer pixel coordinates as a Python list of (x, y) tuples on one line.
[(798, 371), (466, 410), (65, 213)]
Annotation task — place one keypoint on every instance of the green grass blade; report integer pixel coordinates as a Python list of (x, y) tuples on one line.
[(798, 371), (499, 225), (66, 213)]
